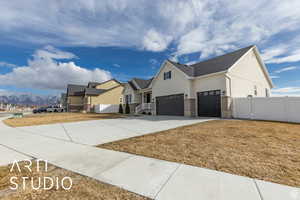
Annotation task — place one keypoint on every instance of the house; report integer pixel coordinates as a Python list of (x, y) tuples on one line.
[(138, 95), (84, 98), (202, 89)]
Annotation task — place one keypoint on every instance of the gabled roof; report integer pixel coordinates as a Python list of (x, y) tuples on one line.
[(75, 90), (94, 91), (132, 85), (93, 84), (141, 83), (214, 65)]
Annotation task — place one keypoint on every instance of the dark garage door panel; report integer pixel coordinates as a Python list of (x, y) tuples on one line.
[(209, 103), (170, 105)]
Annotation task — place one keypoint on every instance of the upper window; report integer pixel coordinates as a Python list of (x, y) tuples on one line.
[(167, 75)]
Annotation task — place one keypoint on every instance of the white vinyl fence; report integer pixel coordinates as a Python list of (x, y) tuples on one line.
[(107, 108), (286, 109)]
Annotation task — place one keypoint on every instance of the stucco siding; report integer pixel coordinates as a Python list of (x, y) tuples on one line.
[(246, 75), (176, 85), (216, 82), (108, 85), (110, 97)]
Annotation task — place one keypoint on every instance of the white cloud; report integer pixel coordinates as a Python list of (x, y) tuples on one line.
[(286, 91), (154, 63), (116, 65), (282, 55), (44, 72), (6, 64), (154, 41), (274, 77), (286, 69), (207, 27)]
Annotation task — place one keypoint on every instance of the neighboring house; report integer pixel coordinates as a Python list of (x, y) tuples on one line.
[(138, 94), (84, 98), (202, 89)]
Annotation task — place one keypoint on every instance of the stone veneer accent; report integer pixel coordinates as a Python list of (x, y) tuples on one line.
[(226, 107), (153, 108), (190, 107)]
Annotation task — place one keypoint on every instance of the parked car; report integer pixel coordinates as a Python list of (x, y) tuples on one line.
[(55, 109), (40, 110)]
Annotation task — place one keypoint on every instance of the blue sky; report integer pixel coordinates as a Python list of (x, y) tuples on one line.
[(46, 44)]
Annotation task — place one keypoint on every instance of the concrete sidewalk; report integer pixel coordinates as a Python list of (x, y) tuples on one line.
[(149, 177)]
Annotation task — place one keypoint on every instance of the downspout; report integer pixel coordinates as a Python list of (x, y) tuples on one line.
[(229, 83), (230, 90)]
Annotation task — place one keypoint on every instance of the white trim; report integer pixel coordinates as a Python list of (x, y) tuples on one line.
[(263, 67), (136, 85)]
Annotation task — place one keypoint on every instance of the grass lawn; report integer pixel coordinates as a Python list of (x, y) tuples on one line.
[(83, 187), (52, 118), (264, 150)]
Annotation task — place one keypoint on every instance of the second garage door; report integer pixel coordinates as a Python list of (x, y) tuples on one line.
[(170, 105), (209, 103)]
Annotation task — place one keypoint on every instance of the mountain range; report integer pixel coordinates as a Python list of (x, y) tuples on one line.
[(27, 99)]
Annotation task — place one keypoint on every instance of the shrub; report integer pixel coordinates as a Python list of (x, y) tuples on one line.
[(120, 109), (127, 109)]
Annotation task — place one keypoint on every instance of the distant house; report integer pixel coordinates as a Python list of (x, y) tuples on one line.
[(138, 95), (202, 89), (84, 98)]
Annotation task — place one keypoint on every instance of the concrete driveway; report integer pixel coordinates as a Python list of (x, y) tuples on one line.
[(59, 144), (102, 131)]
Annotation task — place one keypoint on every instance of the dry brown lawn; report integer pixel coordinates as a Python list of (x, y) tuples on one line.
[(264, 150), (83, 187), (52, 118)]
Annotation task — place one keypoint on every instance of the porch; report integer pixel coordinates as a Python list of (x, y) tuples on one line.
[(146, 103)]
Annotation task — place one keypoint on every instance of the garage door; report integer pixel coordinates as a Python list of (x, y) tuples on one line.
[(209, 103), (170, 105)]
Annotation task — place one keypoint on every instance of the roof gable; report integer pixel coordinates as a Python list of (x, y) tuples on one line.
[(141, 83), (214, 65)]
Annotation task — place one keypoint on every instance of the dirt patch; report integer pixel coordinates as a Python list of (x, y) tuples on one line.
[(264, 150), (52, 118), (83, 187)]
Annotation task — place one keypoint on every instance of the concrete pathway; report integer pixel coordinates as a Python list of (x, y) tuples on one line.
[(149, 177)]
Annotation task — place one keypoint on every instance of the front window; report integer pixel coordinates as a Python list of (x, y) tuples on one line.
[(167, 75), (128, 99)]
